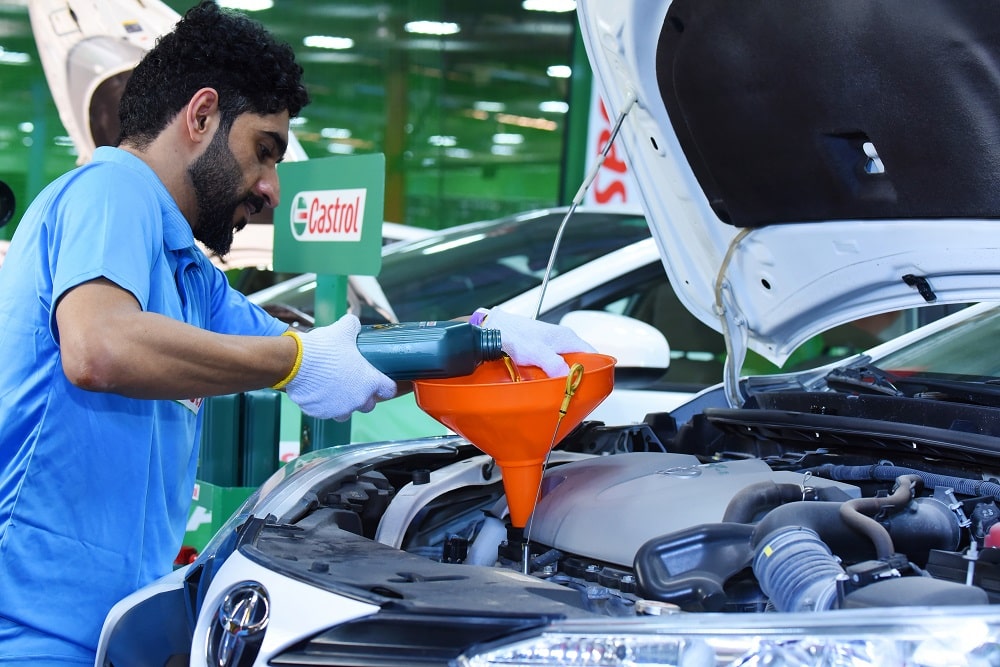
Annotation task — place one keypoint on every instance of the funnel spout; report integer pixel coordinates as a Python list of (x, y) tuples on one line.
[(521, 483)]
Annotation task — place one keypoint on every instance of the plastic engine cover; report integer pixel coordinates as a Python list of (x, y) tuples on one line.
[(607, 507)]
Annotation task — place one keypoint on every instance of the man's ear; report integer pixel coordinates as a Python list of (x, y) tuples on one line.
[(201, 114)]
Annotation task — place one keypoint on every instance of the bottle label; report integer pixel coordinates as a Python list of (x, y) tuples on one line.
[(400, 325)]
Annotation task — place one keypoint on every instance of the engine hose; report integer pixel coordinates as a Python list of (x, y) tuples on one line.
[(752, 500), (547, 558), (755, 500), (796, 570), (824, 519), (858, 513), (883, 472)]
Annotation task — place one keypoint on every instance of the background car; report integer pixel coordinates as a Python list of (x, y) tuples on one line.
[(501, 263), (249, 261), (607, 262)]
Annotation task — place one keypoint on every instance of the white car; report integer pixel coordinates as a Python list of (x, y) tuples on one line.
[(802, 165), (607, 266), (607, 283), (253, 246)]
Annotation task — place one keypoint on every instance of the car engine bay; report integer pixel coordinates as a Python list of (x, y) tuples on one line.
[(803, 502)]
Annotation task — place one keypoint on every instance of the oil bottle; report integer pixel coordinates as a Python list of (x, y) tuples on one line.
[(428, 350)]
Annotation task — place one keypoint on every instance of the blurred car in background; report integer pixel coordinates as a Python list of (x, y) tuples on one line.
[(605, 266), (249, 261), (607, 283), (605, 261)]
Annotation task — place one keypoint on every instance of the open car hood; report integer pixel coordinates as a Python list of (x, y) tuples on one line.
[(803, 165)]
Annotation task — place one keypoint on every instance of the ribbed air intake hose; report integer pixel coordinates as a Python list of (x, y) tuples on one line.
[(796, 570)]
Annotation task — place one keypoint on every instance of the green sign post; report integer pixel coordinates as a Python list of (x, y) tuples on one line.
[(329, 222)]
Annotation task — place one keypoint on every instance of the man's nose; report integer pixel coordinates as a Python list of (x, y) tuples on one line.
[(269, 189)]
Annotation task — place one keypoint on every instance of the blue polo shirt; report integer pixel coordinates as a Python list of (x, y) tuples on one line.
[(95, 487)]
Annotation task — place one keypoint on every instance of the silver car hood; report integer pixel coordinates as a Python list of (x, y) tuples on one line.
[(803, 165)]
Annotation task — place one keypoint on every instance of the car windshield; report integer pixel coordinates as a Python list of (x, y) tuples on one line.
[(483, 264), (964, 351)]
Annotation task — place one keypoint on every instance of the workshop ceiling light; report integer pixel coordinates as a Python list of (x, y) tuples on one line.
[(247, 5), (335, 133), (508, 139), (492, 107), (553, 106), (328, 42), (559, 71), (13, 57), (441, 140), (559, 6), (527, 121), (431, 27)]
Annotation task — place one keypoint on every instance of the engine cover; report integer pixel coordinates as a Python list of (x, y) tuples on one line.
[(605, 508)]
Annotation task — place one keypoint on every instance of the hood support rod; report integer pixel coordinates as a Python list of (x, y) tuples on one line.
[(734, 326)]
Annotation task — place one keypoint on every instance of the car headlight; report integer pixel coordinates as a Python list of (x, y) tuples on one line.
[(921, 638)]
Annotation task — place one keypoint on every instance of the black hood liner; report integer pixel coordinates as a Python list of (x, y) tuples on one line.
[(773, 102)]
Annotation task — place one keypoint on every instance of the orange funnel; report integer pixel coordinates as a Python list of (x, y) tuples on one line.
[(515, 421)]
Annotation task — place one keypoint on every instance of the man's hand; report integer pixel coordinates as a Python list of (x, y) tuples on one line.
[(531, 342), (333, 379)]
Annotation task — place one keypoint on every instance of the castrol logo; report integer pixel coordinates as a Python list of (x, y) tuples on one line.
[(328, 215)]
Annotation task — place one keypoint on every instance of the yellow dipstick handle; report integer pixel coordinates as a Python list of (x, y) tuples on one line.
[(572, 383)]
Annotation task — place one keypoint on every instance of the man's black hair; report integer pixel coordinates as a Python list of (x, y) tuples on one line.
[(210, 48)]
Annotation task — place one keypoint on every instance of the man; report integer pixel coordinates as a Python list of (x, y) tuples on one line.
[(115, 326)]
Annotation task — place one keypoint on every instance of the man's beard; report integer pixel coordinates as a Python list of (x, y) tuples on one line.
[(217, 177)]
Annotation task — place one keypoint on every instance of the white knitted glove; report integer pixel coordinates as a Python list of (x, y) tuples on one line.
[(531, 342), (333, 379)]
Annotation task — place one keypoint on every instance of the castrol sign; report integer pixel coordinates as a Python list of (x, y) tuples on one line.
[(328, 215)]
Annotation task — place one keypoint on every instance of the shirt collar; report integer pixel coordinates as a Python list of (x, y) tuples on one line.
[(177, 234)]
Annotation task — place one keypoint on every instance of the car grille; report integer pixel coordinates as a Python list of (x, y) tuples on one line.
[(389, 639)]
